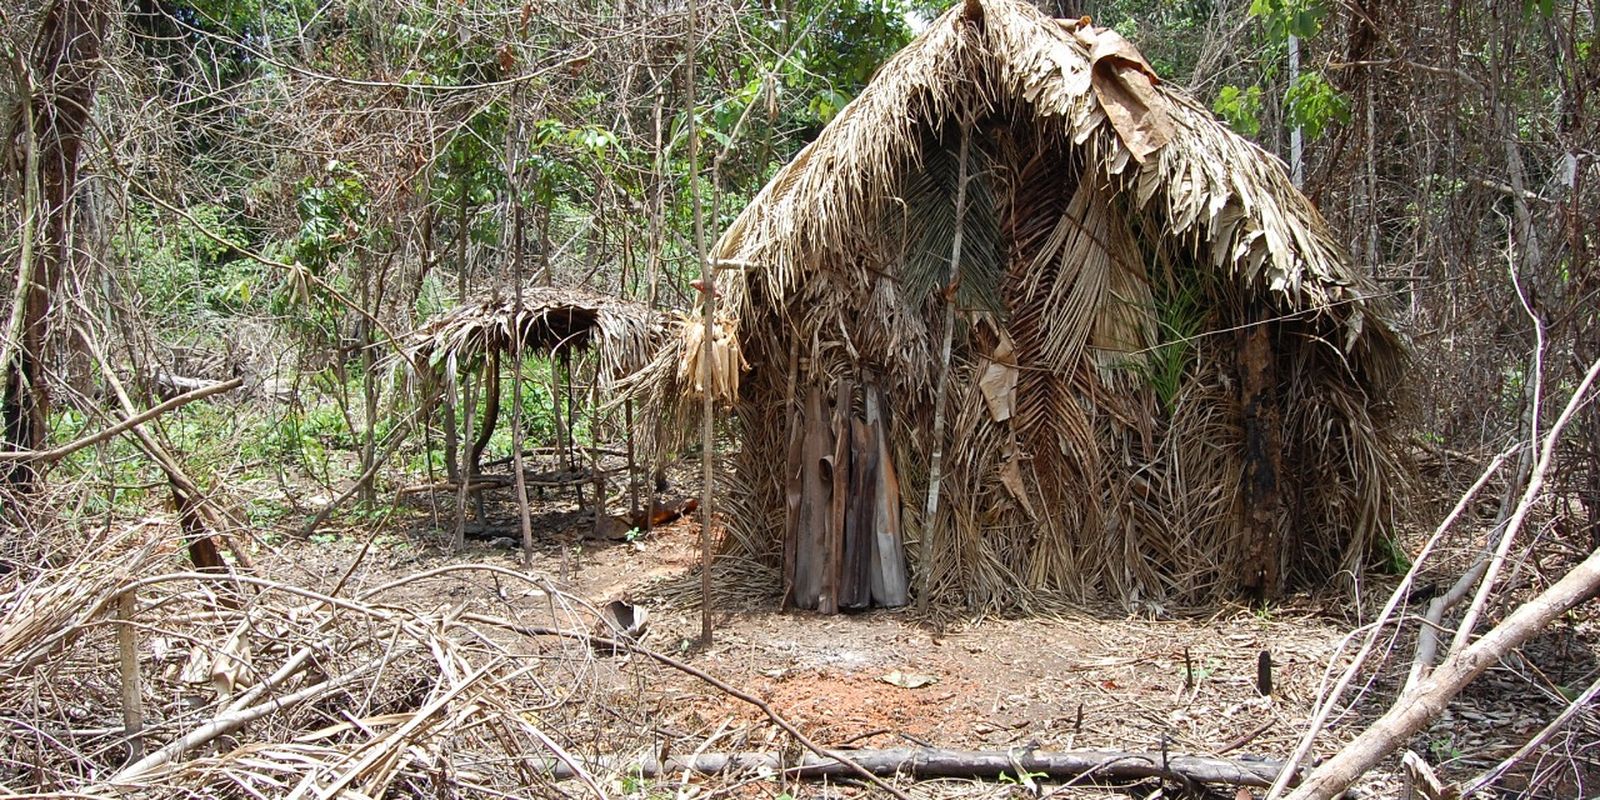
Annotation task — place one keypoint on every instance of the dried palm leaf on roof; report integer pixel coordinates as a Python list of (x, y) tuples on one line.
[(623, 334)]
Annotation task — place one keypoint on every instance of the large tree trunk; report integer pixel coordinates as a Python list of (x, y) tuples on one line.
[(61, 71)]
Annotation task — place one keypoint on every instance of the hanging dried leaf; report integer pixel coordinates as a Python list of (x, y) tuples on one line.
[(999, 380)]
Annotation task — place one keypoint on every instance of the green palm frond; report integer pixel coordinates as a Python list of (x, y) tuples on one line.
[(929, 224)]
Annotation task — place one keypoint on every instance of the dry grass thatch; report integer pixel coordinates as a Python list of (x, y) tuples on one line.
[(623, 334), (1140, 291)]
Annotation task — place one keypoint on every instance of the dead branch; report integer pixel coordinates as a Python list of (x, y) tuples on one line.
[(1524, 507), (1320, 717), (231, 721), (1414, 710), (199, 514), (58, 453), (925, 762), (1582, 702), (688, 669)]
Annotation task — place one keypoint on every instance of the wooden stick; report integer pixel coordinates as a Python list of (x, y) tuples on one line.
[(628, 645), (132, 694), (936, 461), (231, 721), (1514, 526), (198, 503), (378, 748), (1582, 702), (1328, 702)]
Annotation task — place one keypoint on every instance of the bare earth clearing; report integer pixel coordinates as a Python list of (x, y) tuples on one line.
[(1180, 683)]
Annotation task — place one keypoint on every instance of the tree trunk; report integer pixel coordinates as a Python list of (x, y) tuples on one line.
[(63, 65), (1262, 520)]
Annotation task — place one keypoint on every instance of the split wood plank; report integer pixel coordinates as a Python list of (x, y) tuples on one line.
[(890, 586)]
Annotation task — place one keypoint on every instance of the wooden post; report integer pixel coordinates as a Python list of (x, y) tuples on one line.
[(936, 462), (792, 486), (491, 419), (518, 359), (833, 541), (594, 447), (633, 461), (132, 693), (708, 319), (1263, 459), (568, 460), (468, 403)]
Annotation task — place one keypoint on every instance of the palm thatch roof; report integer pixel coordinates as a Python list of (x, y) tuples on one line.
[(1224, 196), (1164, 381), (623, 334)]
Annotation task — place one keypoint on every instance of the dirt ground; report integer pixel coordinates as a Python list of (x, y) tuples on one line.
[(888, 678)]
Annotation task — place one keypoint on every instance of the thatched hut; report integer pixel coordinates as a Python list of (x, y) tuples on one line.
[(478, 336), (1150, 377), (549, 320)]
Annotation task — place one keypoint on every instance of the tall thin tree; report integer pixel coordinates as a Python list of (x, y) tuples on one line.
[(57, 87)]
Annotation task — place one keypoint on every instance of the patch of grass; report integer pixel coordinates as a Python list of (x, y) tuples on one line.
[(1392, 556)]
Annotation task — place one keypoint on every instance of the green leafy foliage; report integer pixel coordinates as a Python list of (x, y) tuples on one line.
[(1392, 556), (1240, 108), (1315, 105), (1541, 8), (827, 104), (1170, 33), (333, 214), (181, 272), (1285, 18), (1181, 315)]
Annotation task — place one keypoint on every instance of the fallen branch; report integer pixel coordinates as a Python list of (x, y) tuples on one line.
[(58, 453), (923, 762), (1328, 702), (198, 513), (618, 645), (231, 721), (1480, 601), (1414, 710), (1582, 702)]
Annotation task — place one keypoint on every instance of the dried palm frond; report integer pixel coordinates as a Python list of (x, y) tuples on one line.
[(624, 334), (929, 224)]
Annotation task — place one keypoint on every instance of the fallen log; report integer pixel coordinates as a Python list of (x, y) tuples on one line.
[(1105, 766)]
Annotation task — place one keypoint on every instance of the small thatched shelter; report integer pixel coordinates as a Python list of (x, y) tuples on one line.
[(550, 321), (1151, 376)]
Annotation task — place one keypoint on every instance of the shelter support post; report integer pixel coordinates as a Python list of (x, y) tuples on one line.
[(1262, 515), (633, 460)]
